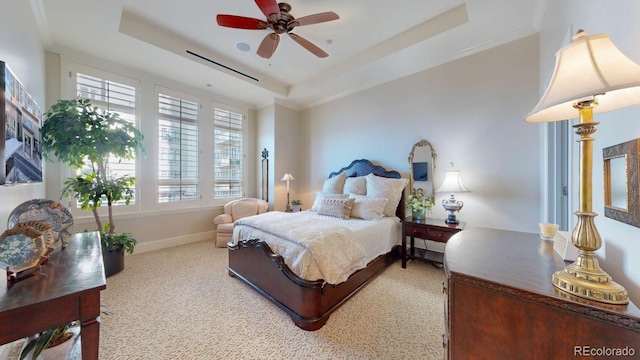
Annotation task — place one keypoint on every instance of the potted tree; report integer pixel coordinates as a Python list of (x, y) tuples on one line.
[(78, 134)]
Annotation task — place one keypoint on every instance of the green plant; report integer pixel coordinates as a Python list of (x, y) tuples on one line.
[(45, 339), (296, 202), (78, 134), (420, 202), (124, 242)]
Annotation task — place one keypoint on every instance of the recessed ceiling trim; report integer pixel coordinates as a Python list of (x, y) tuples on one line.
[(438, 24), (156, 35)]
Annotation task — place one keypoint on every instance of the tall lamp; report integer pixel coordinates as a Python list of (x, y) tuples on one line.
[(591, 75), (287, 177), (452, 184)]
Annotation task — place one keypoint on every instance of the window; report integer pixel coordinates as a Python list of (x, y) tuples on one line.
[(227, 154), (177, 149), (114, 97)]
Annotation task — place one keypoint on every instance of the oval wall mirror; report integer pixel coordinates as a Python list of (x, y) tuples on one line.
[(422, 165)]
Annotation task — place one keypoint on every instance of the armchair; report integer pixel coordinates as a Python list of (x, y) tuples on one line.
[(234, 210)]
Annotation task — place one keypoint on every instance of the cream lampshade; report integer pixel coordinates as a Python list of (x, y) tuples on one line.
[(591, 75), (451, 185), (287, 177)]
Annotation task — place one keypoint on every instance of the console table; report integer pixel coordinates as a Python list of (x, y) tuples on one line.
[(428, 229), (67, 288), (501, 304)]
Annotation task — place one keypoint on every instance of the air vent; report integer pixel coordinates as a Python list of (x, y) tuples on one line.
[(221, 65)]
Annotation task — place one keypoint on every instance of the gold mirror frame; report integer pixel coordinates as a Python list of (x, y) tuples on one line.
[(627, 151), (432, 166)]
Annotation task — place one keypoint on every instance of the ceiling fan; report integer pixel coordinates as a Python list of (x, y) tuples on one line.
[(280, 21)]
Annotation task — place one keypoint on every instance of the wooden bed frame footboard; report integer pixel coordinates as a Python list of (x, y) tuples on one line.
[(308, 303)]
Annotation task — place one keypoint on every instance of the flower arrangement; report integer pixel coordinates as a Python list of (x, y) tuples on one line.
[(420, 205)]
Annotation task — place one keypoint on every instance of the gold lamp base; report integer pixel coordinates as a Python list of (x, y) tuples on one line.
[(592, 284), (585, 278)]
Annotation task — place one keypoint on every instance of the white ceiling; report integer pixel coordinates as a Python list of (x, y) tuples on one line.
[(373, 42)]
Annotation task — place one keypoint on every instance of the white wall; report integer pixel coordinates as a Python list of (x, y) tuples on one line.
[(265, 133), (278, 132), (619, 19), (471, 110), (287, 154), (21, 48)]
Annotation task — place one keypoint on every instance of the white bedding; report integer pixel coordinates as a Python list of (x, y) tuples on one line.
[(321, 247)]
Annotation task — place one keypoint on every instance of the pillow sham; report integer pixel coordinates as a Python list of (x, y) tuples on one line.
[(382, 187), (355, 185), (322, 195), (368, 208), (340, 208), (335, 184)]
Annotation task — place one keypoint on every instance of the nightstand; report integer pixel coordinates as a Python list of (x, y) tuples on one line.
[(428, 229)]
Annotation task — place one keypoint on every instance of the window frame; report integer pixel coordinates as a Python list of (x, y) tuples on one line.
[(66, 172), (208, 193), (196, 203)]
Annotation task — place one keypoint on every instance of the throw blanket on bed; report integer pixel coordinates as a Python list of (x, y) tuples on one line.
[(332, 247)]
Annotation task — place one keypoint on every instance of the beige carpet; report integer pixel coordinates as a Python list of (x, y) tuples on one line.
[(179, 303)]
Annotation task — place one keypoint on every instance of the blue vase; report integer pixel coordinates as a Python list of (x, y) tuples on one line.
[(418, 214)]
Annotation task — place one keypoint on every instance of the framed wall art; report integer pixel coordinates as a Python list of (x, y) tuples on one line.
[(20, 126)]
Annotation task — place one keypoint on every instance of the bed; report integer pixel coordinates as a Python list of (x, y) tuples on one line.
[(309, 300)]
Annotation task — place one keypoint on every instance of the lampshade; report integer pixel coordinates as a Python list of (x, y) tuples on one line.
[(452, 183), (287, 177), (589, 66)]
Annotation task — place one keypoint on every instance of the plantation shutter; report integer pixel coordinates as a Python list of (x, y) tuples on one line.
[(113, 97), (227, 154), (178, 149)]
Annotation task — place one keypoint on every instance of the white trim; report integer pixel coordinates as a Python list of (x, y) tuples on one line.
[(41, 21), (175, 241)]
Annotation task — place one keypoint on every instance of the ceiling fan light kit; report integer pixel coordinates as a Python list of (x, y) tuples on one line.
[(280, 21)]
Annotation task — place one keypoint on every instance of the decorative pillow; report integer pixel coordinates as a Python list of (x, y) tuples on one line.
[(322, 195), (335, 184), (355, 185), (368, 208), (340, 208), (382, 187)]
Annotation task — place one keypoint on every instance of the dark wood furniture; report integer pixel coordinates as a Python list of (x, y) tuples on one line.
[(308, 303), (428, 229), (501, 304), (66, 288)]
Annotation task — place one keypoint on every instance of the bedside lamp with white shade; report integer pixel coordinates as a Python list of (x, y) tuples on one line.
[(591, 75), (287, 177), (451, 185)]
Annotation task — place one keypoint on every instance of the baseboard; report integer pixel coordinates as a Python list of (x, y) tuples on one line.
[(175, 241)]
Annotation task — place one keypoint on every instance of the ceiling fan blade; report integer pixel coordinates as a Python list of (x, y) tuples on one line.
[(269, 7), (268, 45), (308, 45), (316, 18), (240, 22)]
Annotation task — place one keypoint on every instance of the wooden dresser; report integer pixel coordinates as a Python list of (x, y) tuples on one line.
[(501, 304)]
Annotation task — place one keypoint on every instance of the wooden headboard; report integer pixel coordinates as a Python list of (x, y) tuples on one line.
[(364, 167)]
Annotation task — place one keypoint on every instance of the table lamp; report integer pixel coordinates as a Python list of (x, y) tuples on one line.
[(591, 75), (287, 177), (452, 184)]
